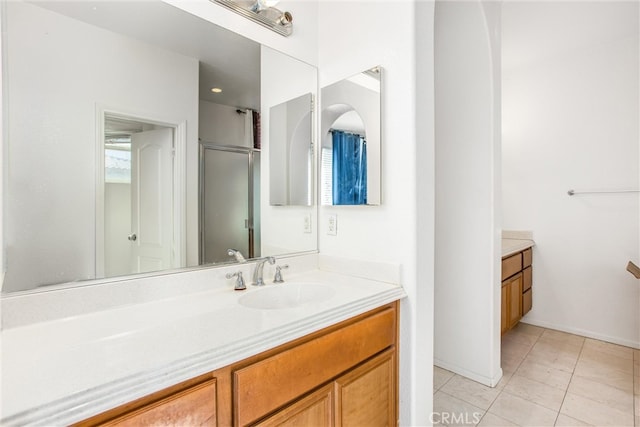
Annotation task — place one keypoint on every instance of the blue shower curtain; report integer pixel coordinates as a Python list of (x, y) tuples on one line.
[(349, 168)]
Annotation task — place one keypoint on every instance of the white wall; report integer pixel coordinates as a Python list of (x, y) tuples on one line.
[(43, 52), (571, 120), (221, 124), (467, 267), (354, 37)]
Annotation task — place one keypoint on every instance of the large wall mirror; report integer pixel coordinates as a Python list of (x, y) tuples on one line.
[(351, 140), (134, 138)]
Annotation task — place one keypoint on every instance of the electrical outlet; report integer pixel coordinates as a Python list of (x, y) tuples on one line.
[(332, 225), (307, 223)]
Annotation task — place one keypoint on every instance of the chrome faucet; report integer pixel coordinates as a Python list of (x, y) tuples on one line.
[(237, 254), (258, 272)]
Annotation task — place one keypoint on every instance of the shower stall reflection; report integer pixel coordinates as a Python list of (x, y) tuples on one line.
[(229, 202)]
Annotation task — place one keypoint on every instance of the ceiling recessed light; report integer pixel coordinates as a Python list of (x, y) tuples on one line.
[(216, 90)]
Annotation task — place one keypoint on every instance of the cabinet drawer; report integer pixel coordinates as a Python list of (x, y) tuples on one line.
[(313, 410), (511, 265), (527, 301), (527, 257), (528, 278), (195, 406), (267, 385)]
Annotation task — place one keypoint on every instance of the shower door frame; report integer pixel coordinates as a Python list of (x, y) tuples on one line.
[(250, 152)]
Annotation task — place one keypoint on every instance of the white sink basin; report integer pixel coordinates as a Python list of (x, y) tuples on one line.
[(287, 295)]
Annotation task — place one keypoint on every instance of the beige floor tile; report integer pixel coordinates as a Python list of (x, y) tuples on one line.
[(440, 377), (594, 412), (637, 421), (515, 349), (609, 348), (546, 354), (602, 393), (506, 377), (509, 363), (519, 337), (491, 420), (451, 411), (544, 374), (601, 372), (521, 411), (536, 392), (470, 391), (561, 338), (566, 421), (560, 347), (637, 406), (620, 363), (525, 328)]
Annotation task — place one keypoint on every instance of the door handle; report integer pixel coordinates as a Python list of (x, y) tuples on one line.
[(132, 237)]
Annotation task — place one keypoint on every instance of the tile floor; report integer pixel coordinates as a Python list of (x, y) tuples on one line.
[(550, 378)]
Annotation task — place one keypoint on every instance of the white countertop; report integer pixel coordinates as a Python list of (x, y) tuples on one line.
[(512, 246), (65, 370)]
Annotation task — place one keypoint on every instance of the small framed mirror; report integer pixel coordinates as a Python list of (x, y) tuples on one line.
[(351, 140)]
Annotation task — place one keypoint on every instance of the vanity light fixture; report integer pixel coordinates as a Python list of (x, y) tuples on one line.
[(263, 12), (216, 90)]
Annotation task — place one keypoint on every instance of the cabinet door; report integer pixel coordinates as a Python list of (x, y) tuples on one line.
[(193, 407), (527, 277), (315, 410), (366, 396), (515, 300), (527, 298)]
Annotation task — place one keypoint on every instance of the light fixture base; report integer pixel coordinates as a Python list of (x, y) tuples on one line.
[(272, 18)]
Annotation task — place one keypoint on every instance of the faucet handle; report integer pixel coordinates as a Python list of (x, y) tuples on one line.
[(278, 277), (240, 286)]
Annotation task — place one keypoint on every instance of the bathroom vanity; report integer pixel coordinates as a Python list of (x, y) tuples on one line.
[(321, 345), (345, 374), (517, 278)]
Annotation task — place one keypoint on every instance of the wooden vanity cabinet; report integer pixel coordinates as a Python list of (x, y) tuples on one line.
[(343, 375), (517, 288), (192, 403), (362, 397)]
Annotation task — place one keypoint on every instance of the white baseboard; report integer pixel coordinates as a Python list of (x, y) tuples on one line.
[(491, 382), (584, 333)]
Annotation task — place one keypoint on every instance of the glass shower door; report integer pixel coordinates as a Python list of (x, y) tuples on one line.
[(226, 205)]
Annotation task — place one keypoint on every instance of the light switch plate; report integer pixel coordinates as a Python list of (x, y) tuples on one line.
[(332, 225)]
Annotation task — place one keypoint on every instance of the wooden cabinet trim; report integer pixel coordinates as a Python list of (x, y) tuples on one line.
[(527, 257), (271, 383), (511, 265), (195, 406), (295, 414)]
